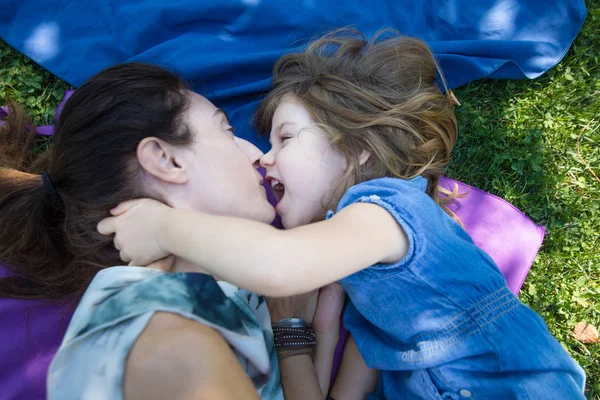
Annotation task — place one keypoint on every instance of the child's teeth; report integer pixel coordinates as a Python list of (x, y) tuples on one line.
[(274, 182)]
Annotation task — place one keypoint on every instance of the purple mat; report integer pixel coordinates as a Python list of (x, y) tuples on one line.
[(45, 130), (507, 235), (31, 331)]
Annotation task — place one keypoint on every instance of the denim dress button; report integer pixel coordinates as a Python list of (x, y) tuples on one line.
[(465, 393)]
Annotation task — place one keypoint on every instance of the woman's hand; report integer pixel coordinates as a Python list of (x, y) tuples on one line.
[(320, 308), (137, 225), (300, 306)]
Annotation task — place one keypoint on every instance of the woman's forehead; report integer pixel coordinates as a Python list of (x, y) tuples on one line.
[(201, 111), (201, 102)]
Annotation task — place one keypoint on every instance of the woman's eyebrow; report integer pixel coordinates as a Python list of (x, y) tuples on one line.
[(220, 111)]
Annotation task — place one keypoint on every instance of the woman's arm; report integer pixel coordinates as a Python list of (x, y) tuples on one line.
[(303, 377), (257, 256), (178, 359), (299, 379)]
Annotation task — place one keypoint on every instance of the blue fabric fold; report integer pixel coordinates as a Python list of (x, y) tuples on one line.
[(226, 49)]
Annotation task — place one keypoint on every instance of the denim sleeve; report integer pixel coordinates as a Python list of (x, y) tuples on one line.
[(403, 200)]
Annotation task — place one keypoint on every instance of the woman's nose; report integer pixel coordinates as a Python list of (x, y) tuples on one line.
[(254, 154)]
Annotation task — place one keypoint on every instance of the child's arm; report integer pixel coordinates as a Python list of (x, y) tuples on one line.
[(354, 380), (255, 255)]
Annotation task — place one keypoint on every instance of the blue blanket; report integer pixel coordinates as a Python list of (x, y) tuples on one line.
[(226, 48)]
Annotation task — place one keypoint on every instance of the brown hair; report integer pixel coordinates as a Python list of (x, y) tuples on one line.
[(49, 239), (381, 95)]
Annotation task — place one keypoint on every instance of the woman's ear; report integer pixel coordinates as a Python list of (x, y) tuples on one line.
[(162, 160)]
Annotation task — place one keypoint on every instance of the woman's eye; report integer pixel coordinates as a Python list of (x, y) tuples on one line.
[(285, 137)]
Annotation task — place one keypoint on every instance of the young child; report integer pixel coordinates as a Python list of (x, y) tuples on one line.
[(362, 128)]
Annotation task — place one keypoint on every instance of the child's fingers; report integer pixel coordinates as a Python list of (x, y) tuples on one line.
[(107, 226), (124, 257), (165, 264), (124, 206)]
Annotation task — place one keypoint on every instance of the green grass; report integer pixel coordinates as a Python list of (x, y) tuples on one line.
[(537, 144), (534, 143)]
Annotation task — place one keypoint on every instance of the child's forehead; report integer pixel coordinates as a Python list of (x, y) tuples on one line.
[(291, 106)]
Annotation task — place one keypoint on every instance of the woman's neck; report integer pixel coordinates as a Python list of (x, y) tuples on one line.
[(181, 265), (176, 264)]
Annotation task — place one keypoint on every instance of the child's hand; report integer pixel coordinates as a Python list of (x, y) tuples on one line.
[(137, 225)]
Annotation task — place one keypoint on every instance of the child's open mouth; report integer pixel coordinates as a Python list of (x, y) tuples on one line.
[(277, 187)]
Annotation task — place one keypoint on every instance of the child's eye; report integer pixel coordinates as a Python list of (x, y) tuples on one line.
[(285, 137), (232, 130)]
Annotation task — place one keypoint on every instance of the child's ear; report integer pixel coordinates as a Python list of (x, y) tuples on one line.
[(364, 157), (162, 160)]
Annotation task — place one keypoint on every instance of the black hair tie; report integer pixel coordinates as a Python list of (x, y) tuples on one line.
[(49, 185)]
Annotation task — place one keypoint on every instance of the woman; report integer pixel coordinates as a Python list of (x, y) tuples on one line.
[(131, 131)]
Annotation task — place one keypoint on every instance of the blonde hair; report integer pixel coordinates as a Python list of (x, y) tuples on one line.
[(380, 95)]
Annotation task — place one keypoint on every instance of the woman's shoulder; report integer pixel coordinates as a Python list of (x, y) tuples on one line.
[(169, 340), (171, 351), (179, 321)]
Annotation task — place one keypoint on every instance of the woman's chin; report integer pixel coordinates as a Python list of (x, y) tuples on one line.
[(267, 214), (270, 215)]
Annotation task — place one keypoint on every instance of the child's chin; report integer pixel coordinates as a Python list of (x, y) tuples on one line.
[(285, 224), (289, 222)]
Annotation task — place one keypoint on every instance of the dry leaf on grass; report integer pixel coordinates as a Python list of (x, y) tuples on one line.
[(586, 333)]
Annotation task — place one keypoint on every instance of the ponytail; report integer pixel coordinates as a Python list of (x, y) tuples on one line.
[(29, 216)]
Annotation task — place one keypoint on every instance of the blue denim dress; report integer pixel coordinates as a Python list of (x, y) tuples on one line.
[(118, 305), (441, 323)]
